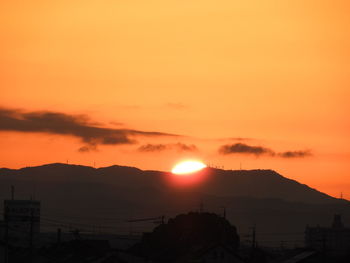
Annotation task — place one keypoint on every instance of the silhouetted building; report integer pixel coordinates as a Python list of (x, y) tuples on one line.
[(213, 254), (333, 240), (2, 230), (75, 251), (2, 251), (22, 220)]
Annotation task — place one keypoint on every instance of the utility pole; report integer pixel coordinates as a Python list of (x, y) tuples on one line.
[(31, 232), (224, 211), (201, 209), (6, 252), (254, 237), (253, 241)]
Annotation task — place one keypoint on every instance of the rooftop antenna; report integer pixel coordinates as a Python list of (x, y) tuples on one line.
[(224, 212), (201, 209)]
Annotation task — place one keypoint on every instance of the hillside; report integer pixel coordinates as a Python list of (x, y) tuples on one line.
[(224, 183), (110, 196)]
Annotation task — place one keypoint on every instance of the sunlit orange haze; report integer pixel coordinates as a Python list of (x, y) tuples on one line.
[(271, 74), (187, 167)]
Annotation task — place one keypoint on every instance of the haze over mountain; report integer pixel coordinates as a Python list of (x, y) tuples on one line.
[(111, 195)]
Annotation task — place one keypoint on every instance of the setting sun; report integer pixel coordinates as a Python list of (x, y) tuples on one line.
[(188, 167)]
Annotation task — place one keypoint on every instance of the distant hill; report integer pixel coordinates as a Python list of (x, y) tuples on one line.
[(249, 183), (74, 194)]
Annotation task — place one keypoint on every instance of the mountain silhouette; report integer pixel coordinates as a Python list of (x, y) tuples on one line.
[(249, 183), (112, 195)]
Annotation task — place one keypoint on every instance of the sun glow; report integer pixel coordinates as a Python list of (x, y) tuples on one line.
[(187, 167)]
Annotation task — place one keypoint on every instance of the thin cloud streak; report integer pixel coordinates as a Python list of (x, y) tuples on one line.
[(79, 126), (295, 154), (241, 148), (171, 146), (245, 148)]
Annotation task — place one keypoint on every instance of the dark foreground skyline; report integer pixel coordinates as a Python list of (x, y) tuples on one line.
[(150, 84), (85, 195)]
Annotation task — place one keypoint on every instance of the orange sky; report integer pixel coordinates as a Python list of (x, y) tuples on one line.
[(276, 72)]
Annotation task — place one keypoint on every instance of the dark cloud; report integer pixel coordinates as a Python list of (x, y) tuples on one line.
[(241, 148), (295, 154), (87, 148), (245, 149), (116, 123), (78, 126), (171, 146), (153, 147), (186, 147)]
